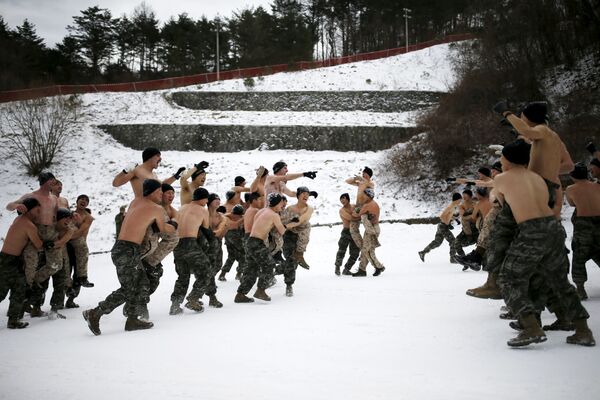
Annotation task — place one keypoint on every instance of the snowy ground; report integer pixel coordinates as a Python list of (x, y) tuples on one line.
[(411, 333)]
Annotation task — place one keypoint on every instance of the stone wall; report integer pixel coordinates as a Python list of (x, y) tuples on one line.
[(374, 101), (230, 138)]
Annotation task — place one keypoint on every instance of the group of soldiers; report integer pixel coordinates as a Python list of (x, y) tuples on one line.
[(262, 233), (516, 227)]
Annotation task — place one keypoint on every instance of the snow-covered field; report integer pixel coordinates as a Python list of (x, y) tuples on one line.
[(411, 333)]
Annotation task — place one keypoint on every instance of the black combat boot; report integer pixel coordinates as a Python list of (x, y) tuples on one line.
[(360, 272), (242, 298), (214, 302), (194, 305), (531, 333), (346, 271), (378, 271), (337, 270), (422, 255), (289, 291), (135, 324), (222, 276), (581, 291), (261, 295), (36, 312), (71, 303), (92, 316), (175, 308), (583, 335), (15, 323), (83, 281)]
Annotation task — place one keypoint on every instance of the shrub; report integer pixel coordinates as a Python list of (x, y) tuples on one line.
[(249, 82), (34, 130)]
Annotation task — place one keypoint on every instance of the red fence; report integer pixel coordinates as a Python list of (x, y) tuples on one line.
[(169, 83)]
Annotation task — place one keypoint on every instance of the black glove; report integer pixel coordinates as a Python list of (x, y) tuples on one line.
[(221, 209), (48, 244), (450, 180), (310, 174), (591, 147), (208, 234), (313, 194), (173, 223), (295, 219), (177, 174), (450, 226), (201, 165), (470, 183), (501, 107), (504, 122)]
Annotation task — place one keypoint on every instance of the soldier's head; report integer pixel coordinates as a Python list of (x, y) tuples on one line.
[(515, 154), (64, 217), (595, 168), (82, 201), (151, 189), (276, 202), (33, 208), (213, 201), (151, 156), (256, 200), (47, 180), (345, 199), (280, 168), (199, 177), (200, 196), (367, 173), (580, 172), (168, 194)]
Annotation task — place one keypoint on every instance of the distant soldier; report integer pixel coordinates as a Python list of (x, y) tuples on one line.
[(443, 228), (345, 238), (369, 215), (198, 178)]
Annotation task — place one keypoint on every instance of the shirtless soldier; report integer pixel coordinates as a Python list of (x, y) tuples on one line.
[(537, 249), (126, 256), (363, 182), (443, 228), (345, 237), (369, 216), (549, 156), (198, 175), (137, 174), (191, 257), (259, 262), (12, 275), (81, 252), (584, 195)]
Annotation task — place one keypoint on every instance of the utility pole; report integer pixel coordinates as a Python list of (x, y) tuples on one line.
[(407, 16), (218, 66)]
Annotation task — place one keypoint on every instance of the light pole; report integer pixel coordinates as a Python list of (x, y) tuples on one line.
[(407, 16), (217, 20)]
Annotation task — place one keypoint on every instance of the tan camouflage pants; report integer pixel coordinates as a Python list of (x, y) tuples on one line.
[(370, 242), (82, 253), (274, 241), (168, 242), (303, 232), (32, 258), (488, 222)]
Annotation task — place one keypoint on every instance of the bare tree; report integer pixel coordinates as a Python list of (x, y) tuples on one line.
[(34, 130)]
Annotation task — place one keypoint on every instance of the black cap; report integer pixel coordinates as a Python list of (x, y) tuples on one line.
[(274, 199), (166, 187), (200, 194), (485, 171), (497, 166), (63, 213), (468, 191), (45, 177), (149, 152), (278, 166), (517, 152), (238, 210), (239, 180), (230, 194), (198, 172), (536, 112), (212, 197), (83, 196), (369, 171), (301, 189), (456, 196), (150, 186), (30, 203), (481, 191), (580, 171), (253, 196)]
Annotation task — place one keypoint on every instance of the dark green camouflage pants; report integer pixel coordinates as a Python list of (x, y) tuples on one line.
[(501, 235), (234, 240), (190, 258), (585, 245), (12, 279), (127, 259), (290, 242), (538, 252), (215, 255), (463, 240), (259, 265), (345, 242), (443, 232)]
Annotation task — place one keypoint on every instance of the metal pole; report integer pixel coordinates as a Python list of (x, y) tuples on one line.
[(406, 17), (218, 49)]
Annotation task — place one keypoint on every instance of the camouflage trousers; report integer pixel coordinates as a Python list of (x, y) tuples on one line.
[(290, 244), (303, 232), (190, 258), (82, 252), (12, 279), (157, 245), (215, 255), (37, 291), (355, 233), (537, 251), (501, 235), (463, 240), (484, 233), (343, 244), (585, 246), (126, 257), (234, 241), (370, 243), (443, 232), (274, 241), (259, 265), (31, 256)]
